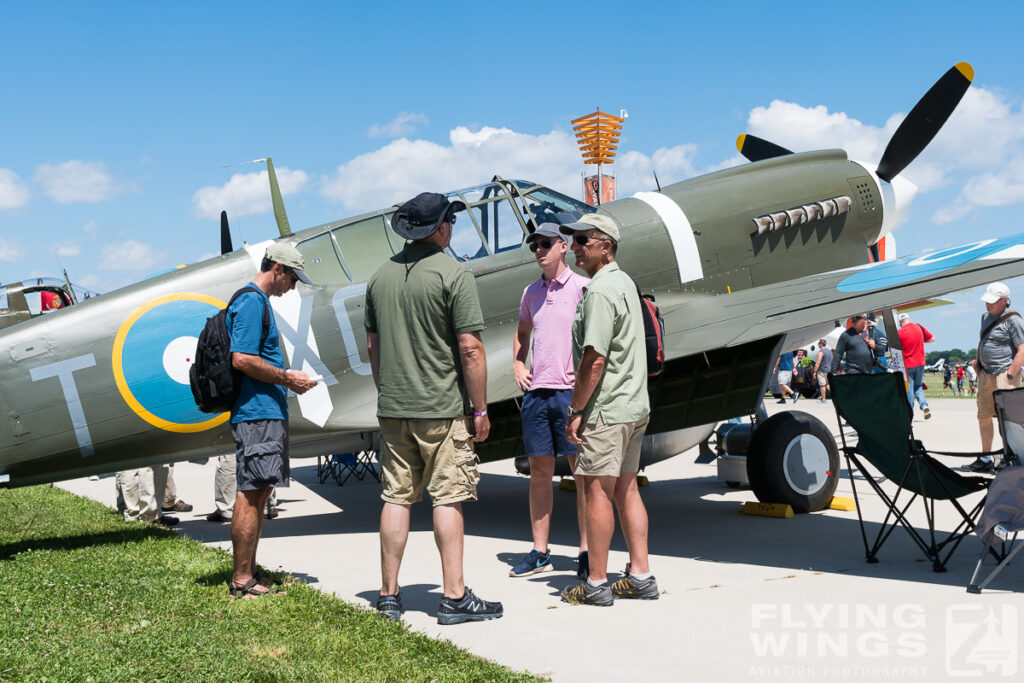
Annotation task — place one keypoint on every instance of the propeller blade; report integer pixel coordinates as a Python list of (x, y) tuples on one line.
[(925, 120), (758, 149), (225, 234)]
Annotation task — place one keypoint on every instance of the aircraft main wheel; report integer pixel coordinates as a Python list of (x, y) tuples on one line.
[(793, 459)]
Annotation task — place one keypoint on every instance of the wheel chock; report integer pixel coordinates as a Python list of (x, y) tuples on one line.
[(841, 503), (642, 480), (780, 510), (567, 484)]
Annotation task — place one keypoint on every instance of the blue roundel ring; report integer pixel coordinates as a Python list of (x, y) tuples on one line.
[(910, 268), (151, 357)]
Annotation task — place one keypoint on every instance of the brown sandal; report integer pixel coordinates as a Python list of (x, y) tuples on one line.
[(270, 583)]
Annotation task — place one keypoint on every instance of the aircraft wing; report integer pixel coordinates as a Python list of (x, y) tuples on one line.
[(727, 320)]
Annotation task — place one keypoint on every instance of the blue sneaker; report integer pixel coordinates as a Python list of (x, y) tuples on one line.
[(534, 563)]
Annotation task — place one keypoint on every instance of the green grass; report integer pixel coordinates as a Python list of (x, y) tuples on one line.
[(86, 596)]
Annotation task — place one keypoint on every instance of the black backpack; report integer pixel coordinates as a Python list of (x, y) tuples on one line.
[(654, 333), (215, 382)]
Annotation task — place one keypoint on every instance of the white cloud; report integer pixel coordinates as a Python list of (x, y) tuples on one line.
[(402, 168), (76, 181), (402, 125), (246, 194), (129, 255), (67, 250), (13, 193), (90, 229), (11, 251)]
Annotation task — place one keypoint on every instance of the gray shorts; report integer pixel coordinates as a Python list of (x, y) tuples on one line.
[(261, 454)]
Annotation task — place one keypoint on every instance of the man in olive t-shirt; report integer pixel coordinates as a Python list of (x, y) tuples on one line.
[(423, 323), (609, 412)]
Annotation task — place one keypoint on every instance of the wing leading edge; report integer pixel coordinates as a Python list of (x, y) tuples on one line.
[(728, 320)]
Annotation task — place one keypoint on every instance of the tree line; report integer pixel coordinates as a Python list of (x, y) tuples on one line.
[(951, 356)]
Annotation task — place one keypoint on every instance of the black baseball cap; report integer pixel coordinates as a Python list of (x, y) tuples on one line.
[(422, 215)]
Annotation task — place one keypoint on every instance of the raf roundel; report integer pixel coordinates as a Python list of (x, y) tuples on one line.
[(153, 351), (910, 268)]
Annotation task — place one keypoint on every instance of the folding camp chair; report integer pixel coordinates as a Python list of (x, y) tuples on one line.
[(876, 407), (1010, 411), (341, 466), (999, 524)]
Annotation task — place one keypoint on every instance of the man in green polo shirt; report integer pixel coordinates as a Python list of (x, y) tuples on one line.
[(423, 323), (609, 412)]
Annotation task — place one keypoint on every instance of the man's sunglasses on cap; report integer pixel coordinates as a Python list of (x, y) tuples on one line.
[(541, 244)]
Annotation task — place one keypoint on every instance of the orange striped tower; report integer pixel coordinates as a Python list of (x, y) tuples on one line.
[(598, 135)]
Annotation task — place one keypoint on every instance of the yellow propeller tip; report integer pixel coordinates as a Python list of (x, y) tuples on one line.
[(740, 140), (967, 70)]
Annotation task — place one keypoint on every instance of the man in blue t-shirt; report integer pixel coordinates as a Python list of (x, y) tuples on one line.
[(259, 418), (784, 366)]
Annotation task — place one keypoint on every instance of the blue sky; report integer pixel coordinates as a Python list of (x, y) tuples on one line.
[(126, 125)]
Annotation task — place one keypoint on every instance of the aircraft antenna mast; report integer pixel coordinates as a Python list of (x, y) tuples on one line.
[(598, 136)]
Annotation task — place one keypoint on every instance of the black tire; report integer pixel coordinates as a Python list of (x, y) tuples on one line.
[(793, 459)]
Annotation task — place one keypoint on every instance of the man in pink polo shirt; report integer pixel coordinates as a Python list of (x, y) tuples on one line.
[(546, 311)]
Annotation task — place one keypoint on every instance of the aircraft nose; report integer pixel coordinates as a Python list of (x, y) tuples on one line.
[(896, 198)]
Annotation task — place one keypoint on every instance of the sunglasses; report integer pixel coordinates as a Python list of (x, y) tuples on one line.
[(540, 244), (289, 271), (450, 220), (582, 240)]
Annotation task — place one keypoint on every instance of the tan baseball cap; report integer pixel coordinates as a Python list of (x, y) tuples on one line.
[(289, 256)]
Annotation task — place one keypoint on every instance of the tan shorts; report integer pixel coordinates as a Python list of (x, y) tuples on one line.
[(610, 450), (822, 379), (987, 384), (435, 453)]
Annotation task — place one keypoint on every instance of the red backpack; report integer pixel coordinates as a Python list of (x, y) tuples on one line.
[(654, 333)]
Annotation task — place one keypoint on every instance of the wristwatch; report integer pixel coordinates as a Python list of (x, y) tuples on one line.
[(573, 412)]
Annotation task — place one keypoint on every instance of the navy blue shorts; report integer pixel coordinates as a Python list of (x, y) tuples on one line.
[(544, 412)]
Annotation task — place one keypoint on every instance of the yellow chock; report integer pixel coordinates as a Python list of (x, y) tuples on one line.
[(768, 509), (844, 504), (642, 480), (567, 484)]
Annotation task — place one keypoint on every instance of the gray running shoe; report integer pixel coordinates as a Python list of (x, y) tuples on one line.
[(927, 413), (390, 606), (468, 608), (585, 594), (629, 587)]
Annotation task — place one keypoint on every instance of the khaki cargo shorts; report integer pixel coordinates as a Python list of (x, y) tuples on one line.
[(610, 450), (435, 453), (987, 384)]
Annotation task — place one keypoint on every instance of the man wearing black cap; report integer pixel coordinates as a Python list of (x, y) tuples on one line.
[(423, 323), (259, 418)]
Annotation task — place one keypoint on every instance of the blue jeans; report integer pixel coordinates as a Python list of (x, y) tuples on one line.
[(916, 386)]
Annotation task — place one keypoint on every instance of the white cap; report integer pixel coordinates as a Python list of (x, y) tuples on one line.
[(995, 292), (903, 316)]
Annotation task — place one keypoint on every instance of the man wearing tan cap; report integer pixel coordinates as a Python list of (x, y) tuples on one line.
[(259, 418), (608, 413)]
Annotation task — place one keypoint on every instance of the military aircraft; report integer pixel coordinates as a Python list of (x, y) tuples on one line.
[(744, 263)]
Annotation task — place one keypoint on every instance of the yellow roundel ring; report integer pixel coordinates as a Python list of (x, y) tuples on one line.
[(118, 357)]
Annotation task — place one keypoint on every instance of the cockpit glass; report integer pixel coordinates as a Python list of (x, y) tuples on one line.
[(3, 297), (547, 206)]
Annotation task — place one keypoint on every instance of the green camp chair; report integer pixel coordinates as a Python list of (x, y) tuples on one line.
[(876, 407)]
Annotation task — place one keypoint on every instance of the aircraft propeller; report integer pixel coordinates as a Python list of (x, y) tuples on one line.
[(909, 140), (225, 234)]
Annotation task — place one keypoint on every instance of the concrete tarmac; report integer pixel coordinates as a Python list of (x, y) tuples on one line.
[(743, 597)]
